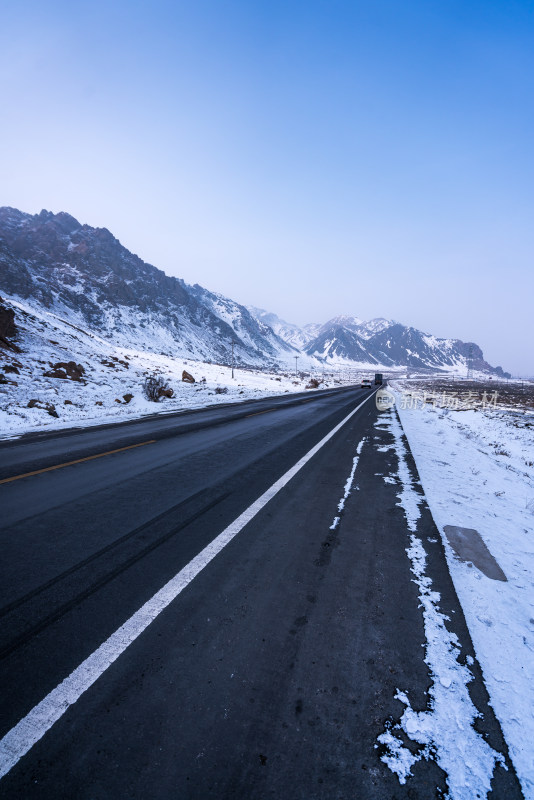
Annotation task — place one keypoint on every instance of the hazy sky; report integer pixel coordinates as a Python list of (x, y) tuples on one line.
[(368, 157)]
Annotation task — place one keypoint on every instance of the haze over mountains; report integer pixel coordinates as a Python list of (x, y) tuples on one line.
[(87, 276)]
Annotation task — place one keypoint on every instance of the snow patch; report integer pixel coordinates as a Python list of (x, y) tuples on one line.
[(445, 731), (477, 470), (348, 484)]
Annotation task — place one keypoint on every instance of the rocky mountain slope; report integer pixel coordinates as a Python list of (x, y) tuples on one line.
[(87, 276)]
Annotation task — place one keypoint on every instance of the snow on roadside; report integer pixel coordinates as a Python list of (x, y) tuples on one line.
[(477, 471), (110, 388), (445, 730), (348, 485)]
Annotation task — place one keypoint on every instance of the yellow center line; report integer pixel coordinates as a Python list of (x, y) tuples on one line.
[(77, 461), (256, 413)]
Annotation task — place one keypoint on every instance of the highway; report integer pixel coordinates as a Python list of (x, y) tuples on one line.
[(183, 617)]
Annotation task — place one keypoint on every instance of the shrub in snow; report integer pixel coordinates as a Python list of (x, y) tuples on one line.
[(221, 390), (155, 386)]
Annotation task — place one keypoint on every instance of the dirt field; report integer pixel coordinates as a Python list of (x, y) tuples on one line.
[(446, 393)]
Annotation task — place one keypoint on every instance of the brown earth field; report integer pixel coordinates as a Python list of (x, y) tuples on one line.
[(509, 395)]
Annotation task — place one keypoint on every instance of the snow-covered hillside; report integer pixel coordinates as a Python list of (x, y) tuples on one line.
[(84, 274), (56, 375), (292, 334), (53, 262), (477, 469)]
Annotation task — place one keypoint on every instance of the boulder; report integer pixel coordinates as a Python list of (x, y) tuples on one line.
[(74, 371), (48, 407), (64, 370), (55, 373), (166, 392), (187, 377)]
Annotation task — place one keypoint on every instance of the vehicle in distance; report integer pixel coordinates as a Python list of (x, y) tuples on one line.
[(366, 383), (378, 378)]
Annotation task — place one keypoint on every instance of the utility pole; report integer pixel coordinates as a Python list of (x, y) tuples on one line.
[(233, 358), (296, 362), (470, 363)]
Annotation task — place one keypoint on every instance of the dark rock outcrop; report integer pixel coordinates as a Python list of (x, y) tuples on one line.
[(64, 370), (48, 407), (8, 329)]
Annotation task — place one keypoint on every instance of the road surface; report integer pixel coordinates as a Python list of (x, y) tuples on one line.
[(272, 669)]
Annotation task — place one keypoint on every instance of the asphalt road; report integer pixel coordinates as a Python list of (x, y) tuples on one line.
[(274, 670)]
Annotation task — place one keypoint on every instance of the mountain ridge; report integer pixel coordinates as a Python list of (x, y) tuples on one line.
[(87, 274), (55, 261), (379, 342)]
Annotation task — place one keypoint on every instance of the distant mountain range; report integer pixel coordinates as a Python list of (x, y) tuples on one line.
[(88, 277), (377, 342)]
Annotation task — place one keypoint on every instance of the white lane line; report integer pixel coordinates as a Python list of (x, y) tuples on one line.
[(21, 738)]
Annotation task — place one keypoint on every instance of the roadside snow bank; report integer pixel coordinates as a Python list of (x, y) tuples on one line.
[(477, 471), (445, 730)]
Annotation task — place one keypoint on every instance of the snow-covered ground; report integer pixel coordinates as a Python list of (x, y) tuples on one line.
[(445, 730), (110, 375), (477, 470)]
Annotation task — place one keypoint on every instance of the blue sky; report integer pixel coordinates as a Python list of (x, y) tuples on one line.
[(312, 158)]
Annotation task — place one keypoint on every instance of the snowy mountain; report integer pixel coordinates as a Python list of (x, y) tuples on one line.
[(291, 334), (343, 321), (86, 276), (254, 333), (378, 342), (389, 344), (368, 329)]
